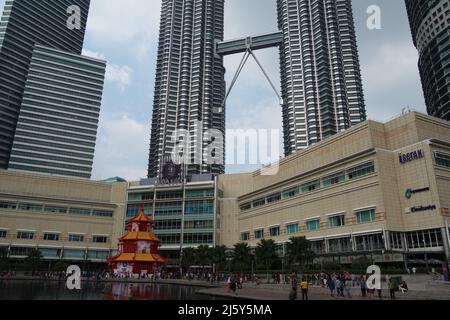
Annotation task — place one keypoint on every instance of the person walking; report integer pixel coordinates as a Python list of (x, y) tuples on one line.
[(414, 270), (331, 284), (348, 287), (363, 285), (392, 288), (304, 286)]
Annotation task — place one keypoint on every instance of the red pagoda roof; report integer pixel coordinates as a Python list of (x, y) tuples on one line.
[(138, 257), (148, 236), (141, 217)]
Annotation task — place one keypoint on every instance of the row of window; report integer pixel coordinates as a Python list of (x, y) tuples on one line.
[(198, 207), (54, 236), (335, 221), (34, 207), (59, 253), (203, 193), (176, 224), (188, 238), (333, 179)]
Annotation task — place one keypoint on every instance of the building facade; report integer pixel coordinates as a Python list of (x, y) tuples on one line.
[(67, 219), (189, 86), (57, 127), (320, 72), (39, 57), (185, 214), (430, 26), (376, 190)]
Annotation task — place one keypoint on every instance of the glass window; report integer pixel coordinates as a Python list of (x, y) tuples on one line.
[(365, 216), (51, 236), (313, 225), (201, 207), (291, 193), (169, 195), (360, 171), (292, 228), (54, 209), (246, 206), (98, 254), (309, 187), (102, 213), (199, 224), (100, 239), (259, 202), (80, 211), (74, 254), (442, 159), (30, 207), (199, 193), (245, 236), (334, 179), (274, 231), (336, 221), (168, 225), (198, 238), (25, 235), (20, 251), (3, 233), (76, 238), (134, 197), (8, 205), (274, 198), (259, 234)]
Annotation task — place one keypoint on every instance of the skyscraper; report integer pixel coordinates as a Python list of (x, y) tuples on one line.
[(320, 71), (57, 125), (190, 85), (430, 26), (43, 73)]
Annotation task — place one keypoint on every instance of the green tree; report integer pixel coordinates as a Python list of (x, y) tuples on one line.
[(241, 256), (187, 258), (33, 261), (219, 257), (266, 254), (203, 256), (299, 252)]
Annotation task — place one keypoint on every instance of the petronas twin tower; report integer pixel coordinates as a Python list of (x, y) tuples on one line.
[(320, 78)]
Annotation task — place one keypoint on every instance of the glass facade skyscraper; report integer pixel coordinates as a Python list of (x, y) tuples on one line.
[(320, 71), (430, 26), (42, 70), (190, 84), (57, 126)]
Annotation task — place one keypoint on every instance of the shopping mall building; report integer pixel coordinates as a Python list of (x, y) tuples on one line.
[(379, 190)]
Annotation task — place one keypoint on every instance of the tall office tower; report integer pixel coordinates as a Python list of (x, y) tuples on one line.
[(25, 23), (320, 71), (57, 126), (190, 83), (430, 26), (43, 73)]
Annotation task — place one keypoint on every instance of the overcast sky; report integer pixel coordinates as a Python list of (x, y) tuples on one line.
[(127, 39)]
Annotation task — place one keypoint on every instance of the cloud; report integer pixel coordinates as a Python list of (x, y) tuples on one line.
[(114, 73), (122, 148), (93, 54), (120, 74)]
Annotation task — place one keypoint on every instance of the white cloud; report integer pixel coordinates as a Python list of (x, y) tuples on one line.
[(120, 74), (93, 54), (114, 73), (122, 148)]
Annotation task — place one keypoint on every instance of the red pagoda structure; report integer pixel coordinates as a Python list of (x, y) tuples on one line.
[(138, 249)]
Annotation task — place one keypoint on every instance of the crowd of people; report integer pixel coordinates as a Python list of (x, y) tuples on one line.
[(341, 285)]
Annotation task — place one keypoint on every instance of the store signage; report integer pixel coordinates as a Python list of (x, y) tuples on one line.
[(423, 208), (409, 192), (411, 156)]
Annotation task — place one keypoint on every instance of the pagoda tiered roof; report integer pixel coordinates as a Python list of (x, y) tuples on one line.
[(148, 236), (138, 257)]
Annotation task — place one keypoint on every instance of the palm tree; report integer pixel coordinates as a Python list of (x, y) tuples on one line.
[(266, 254), (298, 251), (241, 256), (33, 260), (187, 258), (203, 256), (219, 257)]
